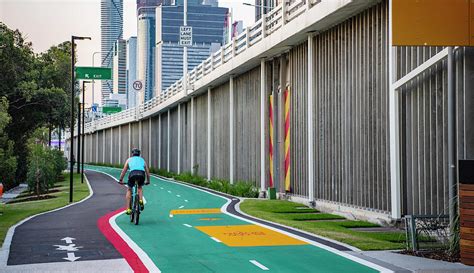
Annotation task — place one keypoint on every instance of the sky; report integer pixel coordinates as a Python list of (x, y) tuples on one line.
[(49, 22)]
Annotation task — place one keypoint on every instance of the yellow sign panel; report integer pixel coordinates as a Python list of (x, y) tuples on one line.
[(249, 235), (432, 22), (195, 211), (209, 219)]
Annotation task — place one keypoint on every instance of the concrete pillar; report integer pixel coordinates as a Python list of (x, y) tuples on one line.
[(209, 133), (263, 98), (168, 144), (192, 134), (159, 141), (179, 138), (231, 129), (120, 144), (149, 141), (112, 145), (310, 119)]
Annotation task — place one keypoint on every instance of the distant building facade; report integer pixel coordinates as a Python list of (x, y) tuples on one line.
[(119, 68), (111, 26), (131, 70), (146, 44), (208, 33)]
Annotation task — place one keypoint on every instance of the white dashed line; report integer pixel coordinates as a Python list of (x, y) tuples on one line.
[(169, 191), (187, 225), (259, 265), (185, 200), (181, 207), (177, 195), (215, 239), (171, 215), (161, 187)]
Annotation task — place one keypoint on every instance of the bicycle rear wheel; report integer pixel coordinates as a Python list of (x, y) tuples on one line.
[(136, 209), (132, 213)]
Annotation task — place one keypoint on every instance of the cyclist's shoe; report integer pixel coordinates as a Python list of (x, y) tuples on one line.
[(128, 211), (142, 206)]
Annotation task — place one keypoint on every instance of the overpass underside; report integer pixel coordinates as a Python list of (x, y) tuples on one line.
[(340, 137)]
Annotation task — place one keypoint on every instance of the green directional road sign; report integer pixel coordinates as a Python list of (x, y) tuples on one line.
[(93, 73)]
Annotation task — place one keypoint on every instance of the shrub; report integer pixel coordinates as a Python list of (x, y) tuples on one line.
[(41, 173), (59, 162), (244, 189)]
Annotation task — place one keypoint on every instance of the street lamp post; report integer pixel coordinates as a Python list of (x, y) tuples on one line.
[(71, 153), (83, 127)]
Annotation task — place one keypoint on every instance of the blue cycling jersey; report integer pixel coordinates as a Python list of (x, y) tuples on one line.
[(136, 163)]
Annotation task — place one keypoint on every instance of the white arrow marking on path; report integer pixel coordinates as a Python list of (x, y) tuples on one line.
[(185, 200), (71, 257), (181, 207), (70, 247), (68, 240)]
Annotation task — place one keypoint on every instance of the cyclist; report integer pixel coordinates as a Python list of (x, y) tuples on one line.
[(138, 170)]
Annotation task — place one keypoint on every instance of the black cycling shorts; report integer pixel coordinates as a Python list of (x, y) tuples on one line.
[(138, 176)]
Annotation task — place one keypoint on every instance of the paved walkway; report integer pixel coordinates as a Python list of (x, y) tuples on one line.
[(68, 235)]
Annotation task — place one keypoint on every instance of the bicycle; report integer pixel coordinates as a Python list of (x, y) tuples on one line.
[(135, 205)]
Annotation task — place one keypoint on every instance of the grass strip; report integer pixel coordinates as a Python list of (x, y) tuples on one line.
[(285, 212)]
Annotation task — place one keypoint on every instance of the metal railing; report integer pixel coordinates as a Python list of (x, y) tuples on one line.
[(268, 24)]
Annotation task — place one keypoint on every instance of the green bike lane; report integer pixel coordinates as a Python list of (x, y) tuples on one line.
[(179, 236)]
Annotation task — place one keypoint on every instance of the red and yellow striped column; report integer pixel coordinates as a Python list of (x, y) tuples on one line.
[(270, 145), (287, 139)]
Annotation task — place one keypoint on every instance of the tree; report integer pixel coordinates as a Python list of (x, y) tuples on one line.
[(36, 88)]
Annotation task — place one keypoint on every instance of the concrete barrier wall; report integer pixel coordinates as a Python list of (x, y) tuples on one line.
[(220, 132), (200, 133), (164, 141), (247, 126), (173, 141), (155, 154)]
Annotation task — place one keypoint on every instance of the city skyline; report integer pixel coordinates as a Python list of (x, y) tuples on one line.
[(44, 31)]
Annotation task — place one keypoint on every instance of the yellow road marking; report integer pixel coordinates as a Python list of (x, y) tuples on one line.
[(209, 219), (249, 235), (195, 211)]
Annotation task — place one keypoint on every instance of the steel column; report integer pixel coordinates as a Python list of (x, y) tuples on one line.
[(393, 128)]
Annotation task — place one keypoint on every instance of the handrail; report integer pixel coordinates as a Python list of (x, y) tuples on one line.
[(287, 11)]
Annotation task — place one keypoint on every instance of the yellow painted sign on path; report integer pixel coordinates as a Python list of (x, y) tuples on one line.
[(195, 211), (249, 235)]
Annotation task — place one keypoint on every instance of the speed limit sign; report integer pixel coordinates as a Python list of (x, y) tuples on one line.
[(137, 85)]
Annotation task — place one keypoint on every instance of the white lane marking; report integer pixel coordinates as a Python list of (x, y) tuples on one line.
[(185, 200), (181, 207), (259, 265), (140, 253), (171, 215), (177, 195), (68, 240), (169, 191), (5, 249), (215, 239), (187, 225), (161, 188), (154, 185)]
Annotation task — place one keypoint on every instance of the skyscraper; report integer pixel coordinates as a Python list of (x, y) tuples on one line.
[(119, 68), (131, 70), (208, 25), (111, 26), (146, 41)]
